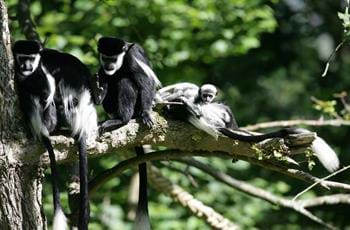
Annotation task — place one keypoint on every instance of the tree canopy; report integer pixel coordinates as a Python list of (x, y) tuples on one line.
[(266, 57)]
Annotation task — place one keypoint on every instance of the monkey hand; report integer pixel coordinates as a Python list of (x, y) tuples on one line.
[(147, 119), (103, 128), (191, 107), (110, 125)]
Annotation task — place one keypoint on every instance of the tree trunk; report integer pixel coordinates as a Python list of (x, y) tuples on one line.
[(20, 184)]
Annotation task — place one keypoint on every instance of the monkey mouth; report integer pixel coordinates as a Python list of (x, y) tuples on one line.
[(206, 101), (26, 72), (110, 71)]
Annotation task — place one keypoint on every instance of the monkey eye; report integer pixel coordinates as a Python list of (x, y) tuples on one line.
[(108, 59), (21, 59), (207, 95)]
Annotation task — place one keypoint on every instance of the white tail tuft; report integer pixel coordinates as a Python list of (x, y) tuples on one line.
[(325, 154), (59, 220)]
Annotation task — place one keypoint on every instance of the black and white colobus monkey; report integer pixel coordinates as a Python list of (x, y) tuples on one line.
[(54, 89), (127, 83), (128, 86), (209, 116)]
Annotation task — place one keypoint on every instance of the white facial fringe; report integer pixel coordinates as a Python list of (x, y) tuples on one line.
[(35, 64), (117, 64)]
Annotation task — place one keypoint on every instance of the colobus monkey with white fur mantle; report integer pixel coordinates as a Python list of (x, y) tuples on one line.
[(54, 89), (211, 117), (128, 86), (127, 83)]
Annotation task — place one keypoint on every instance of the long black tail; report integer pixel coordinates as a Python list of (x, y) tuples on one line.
[(84, 196), (255, 138), (54, 173), (142, 221), (59, 220)]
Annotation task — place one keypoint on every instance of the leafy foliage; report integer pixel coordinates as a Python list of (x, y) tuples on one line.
[(266, 56)]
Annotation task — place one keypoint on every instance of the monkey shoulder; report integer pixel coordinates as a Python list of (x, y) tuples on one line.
[(134, 55), (64, 66)]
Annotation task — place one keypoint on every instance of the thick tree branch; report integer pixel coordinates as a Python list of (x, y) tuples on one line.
[(169, 133)]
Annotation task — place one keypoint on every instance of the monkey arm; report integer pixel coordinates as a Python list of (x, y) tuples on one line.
[(191, 107), (173, 96), (147, 93)]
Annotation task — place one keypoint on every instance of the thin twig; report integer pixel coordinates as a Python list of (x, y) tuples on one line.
[(287, 123), (330, 58), (323, 179), (25, 21)]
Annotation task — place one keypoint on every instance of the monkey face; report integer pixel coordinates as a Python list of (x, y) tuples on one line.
[(207, 97), (27, 63), (111, 64), (207, 93)]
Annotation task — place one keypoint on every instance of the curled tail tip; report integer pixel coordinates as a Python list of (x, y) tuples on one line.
[(325, 155), (59, 220)]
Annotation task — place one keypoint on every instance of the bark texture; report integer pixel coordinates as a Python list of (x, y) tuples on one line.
[(20, 183)]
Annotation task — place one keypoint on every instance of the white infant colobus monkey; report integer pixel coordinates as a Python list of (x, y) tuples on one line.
[(54, 91), (211, 117)]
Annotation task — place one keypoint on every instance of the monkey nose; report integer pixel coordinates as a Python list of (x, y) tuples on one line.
[(109, 67), (26, 68)]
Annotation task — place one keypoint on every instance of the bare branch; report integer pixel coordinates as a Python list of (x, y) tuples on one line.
[(133, 162), (326, 200), (325, 178), (213, 218), (25, 21), (274, 124), (295, 173), (254, 191), (158, 181)]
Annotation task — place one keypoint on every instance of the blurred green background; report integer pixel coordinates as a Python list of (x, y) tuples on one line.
[(266, 56)]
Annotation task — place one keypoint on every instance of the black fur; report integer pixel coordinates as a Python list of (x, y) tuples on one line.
[(127, 94), (142, 216), (33, 91)]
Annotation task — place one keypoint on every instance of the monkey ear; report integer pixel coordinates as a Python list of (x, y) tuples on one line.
[(127, 46)]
